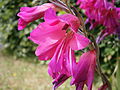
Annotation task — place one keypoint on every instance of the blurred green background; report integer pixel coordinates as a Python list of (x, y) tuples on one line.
[(19, 67)]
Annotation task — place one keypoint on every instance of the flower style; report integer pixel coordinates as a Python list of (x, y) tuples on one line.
[(83, 71), (30, 14)]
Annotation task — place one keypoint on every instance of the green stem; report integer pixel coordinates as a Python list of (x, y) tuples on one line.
[(59, 4), (104, 78), (118, 75)]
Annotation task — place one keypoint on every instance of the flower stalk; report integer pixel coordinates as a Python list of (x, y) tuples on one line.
[(118, 73), (99, 70)]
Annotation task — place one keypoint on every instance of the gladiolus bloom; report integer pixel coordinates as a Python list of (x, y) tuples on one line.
[(49, 34), (30, 14), (102, 12), (83, 71), (57, 38), (57, 42)]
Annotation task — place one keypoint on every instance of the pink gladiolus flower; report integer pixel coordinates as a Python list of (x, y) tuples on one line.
[(102, 12), (48, 35), (57, 42), (83, 71), (30, 14)]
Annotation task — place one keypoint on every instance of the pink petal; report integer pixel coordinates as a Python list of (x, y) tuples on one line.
[(30, 14), (71, 60), (60, 80), (71, 20), (28, 9), (57, 60), (90, 76), (84, 70), (21, 24), (58, 66), (81, 69), (45, 51), (45, 33), (50, 17), (79, 42)]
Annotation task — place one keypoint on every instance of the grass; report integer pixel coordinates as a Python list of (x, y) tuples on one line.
[(22, 75)]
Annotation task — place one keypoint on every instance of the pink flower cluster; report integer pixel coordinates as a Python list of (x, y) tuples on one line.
[(102, 12), (57, 38)]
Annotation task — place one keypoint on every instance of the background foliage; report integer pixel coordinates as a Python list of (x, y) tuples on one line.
[(16, 43)]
